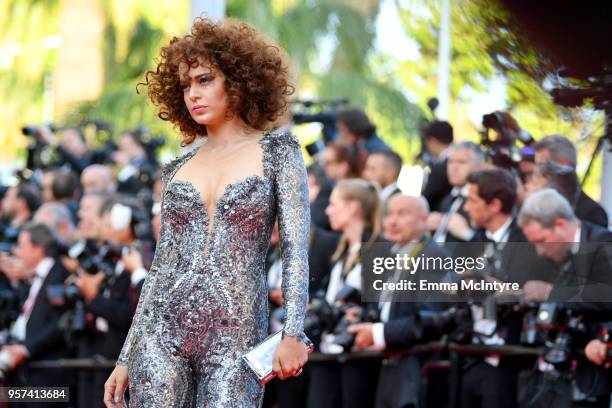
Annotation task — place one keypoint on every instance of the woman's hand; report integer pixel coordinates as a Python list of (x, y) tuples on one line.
[(291, 355), (114, 387)]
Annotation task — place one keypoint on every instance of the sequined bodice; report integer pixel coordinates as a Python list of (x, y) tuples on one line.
[(220, 262)]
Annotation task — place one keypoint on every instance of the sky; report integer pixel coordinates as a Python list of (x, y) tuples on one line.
[(391, 38)]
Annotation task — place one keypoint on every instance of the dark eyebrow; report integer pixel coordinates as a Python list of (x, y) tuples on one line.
[(198, 76), (185, 79)]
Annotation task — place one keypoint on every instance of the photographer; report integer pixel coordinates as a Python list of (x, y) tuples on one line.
[(578, 249), (342, 162), (580, 290), (438, 136), (65, 190), (97, 177), (383, 167), (18, 206), (130, 158), (562, 151), (72, 150), (90, 222), (492, 196), (36, 334), (353, 127), (451, 224), (57, 216), (106, 295)]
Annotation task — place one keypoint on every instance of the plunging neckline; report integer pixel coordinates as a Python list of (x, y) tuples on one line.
[(211, 224)]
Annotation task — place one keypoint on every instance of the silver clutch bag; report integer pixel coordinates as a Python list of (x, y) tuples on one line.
[(260, 358)]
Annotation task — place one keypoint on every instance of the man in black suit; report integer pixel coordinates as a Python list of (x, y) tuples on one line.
[(36, 331), (19, 204), (109, 297), (398, 386), (437, 137), (582, 252), (492, 196), (561, 150), (383, 167)]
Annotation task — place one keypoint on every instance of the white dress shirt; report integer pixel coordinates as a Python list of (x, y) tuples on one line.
[(18, 330), (353, 277), (378, 329)]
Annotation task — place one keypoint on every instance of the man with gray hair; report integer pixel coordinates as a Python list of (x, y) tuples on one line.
[(57, 216), (561, 151), (405, 224), (97, 177), (579, 249), (452, 223), (582, 255)]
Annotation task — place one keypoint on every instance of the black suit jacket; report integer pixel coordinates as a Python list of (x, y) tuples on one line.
[(323, 243), (401, 329), (587, 291), (437, 186), (115, 307), (589, 210), (317, 208), (585, 285), (519, 260), (44, 339)]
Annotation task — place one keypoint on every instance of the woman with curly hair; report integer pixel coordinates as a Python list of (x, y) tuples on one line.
[(204, 301)]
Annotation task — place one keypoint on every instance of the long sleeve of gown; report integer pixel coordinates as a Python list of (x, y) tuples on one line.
[(136, 327), (293, 214)]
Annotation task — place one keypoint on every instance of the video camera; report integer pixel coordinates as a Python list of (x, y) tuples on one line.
[(323, 112), (502, 149)]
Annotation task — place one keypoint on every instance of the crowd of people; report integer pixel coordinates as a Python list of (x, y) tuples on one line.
[(78, 237)]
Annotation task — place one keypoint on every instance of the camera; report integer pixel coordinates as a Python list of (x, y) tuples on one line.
[(92, 259), (502, 150), (561, 326), (323, 112), (326, 323)]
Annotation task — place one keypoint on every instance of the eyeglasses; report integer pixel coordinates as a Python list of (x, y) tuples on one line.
[(552, 167)]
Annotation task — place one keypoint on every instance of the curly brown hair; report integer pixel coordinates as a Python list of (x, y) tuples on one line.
[(256, 77)]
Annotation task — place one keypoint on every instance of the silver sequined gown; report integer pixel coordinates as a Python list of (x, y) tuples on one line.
[(204, 301)]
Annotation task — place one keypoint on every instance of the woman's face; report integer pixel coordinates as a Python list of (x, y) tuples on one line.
[(341, 212), (204, 93), (334, 168)]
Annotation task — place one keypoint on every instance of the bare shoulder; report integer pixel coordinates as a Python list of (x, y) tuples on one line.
[(167, 170)]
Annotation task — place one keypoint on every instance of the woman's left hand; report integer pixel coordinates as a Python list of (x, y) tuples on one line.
[(291, 355)]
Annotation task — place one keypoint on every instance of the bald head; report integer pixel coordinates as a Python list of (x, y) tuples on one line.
[(97, 178), (406, 218)]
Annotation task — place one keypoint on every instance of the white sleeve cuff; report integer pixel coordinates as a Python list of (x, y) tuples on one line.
[(378, 335), (138, 275)]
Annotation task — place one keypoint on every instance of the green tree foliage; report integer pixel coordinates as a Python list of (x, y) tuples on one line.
[(24, 62), (331, 49), (133, 35), (487, 42)]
